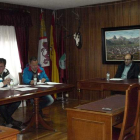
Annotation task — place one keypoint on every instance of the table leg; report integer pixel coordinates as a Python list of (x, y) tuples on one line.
[(36, 119), (79, 96), (102, 94)]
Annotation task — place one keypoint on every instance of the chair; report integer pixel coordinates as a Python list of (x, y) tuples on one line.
[(20, 77), (131, 113), (21, 82)]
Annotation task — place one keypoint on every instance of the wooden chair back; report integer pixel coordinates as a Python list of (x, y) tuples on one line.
[(131, 113), (20, 74)]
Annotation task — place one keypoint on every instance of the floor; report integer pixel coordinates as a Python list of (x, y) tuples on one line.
[(57, 119)]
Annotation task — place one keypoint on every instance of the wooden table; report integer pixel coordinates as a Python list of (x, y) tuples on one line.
[(8, 133), (91, 122), (102, 85), (9, 96)]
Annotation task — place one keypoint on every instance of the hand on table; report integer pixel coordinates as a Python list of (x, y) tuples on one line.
[(32, 82), (43, 80), (6, 81)]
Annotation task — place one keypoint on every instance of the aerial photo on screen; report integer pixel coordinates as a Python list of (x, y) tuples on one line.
[(120, 42)]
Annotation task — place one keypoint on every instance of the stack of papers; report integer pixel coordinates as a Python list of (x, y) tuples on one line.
[(39, 83), (52, 83), (25, 89), (5, 88), (116, 79), (15, 87), (19, 86), (46, 86)]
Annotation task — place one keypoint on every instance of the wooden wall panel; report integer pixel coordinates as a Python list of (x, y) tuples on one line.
[(86, 63)]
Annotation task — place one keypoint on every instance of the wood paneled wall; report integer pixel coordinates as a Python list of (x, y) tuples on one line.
[(86, 62)]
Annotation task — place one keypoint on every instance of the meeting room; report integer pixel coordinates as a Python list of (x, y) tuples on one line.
[(70, 70)]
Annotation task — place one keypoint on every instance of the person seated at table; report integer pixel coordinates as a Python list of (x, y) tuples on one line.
[(7, 110), (128, 69), (28, 78)]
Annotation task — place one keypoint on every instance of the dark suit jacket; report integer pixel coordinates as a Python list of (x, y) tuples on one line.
[(132, 73)]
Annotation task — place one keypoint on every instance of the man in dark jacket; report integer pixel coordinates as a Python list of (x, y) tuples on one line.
[(128, 69)]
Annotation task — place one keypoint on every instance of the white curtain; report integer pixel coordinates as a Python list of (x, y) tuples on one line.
[(9, 49)]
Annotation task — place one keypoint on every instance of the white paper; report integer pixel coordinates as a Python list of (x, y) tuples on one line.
[(5, 88), (18, 86), (47, 86), (39, 83), (52, 83), (116, 79), (25, 89), (13, 96), (27, 94)]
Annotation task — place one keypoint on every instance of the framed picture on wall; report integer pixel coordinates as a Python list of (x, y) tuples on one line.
[(118, 41)]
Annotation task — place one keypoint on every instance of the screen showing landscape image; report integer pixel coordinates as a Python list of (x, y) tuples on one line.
[(120, 42)]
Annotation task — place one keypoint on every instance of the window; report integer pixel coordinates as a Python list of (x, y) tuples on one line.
[(9, 49)]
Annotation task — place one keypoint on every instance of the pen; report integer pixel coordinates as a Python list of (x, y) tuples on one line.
[(107, 109)]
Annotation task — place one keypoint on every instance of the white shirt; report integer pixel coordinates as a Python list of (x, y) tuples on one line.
[(15, 81), (125, 71)]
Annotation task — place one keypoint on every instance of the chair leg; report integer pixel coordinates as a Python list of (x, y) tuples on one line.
[(22, 102)]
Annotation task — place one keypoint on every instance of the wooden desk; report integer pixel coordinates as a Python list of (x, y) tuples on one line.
[(9, 96), (104, 85), (90, 122), (8, 133), (99, 84)]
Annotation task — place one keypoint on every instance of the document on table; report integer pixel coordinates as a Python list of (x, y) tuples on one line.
[(116, 79), (52, 83), (39, 83), (45, 86), (19, 86), (10, 96), (25, 89), (5, 88)]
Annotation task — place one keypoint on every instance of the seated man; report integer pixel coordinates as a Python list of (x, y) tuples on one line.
[(128, 69), (7, 110), (28, 75)]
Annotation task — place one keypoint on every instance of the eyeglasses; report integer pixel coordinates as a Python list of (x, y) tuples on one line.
[(1, 66), (127, 59)]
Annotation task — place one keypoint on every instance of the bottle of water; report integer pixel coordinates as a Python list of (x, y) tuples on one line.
[(139, 78), (35, 79), (108, 76), (11, 84), (1, 80)]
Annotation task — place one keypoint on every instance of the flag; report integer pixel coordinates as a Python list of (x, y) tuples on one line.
[(53, 53), (62, 59), (43, 50)]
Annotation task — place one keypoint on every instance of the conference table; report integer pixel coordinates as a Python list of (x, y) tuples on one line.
[(24, 92)]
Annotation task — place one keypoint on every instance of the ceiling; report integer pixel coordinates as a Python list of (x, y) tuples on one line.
[(56, 4)]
